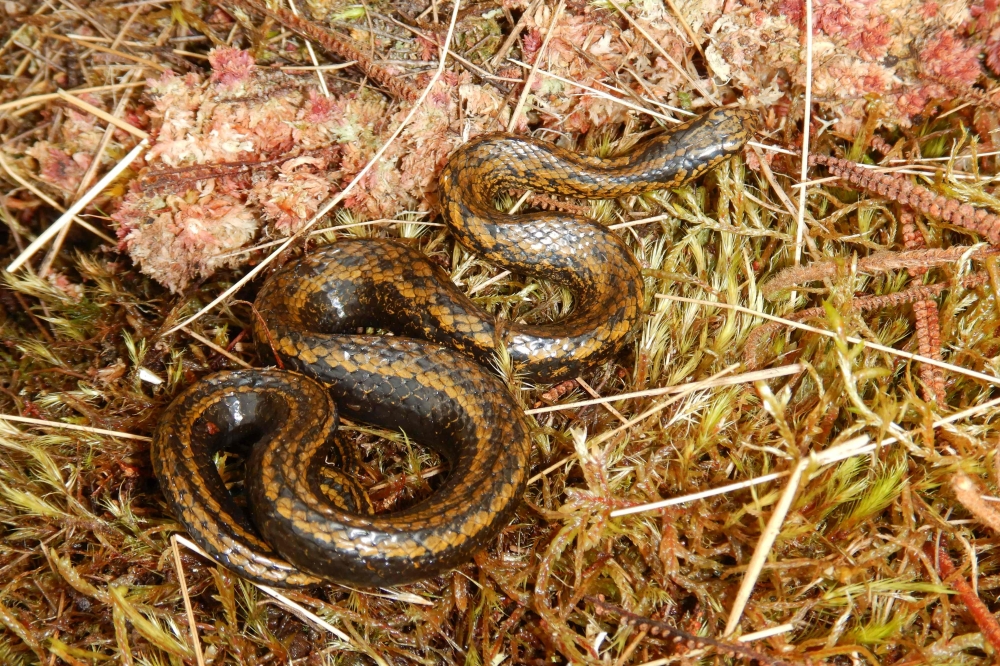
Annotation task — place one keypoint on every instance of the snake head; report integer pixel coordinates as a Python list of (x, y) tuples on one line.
[(734, 127)]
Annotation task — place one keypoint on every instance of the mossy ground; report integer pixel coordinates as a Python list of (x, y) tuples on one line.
[(87, 568)]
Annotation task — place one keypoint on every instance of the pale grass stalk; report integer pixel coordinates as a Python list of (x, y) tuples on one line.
[(944, 159), (312, 55), (70, 213), (851, 448), (493, 280), (773, 528), (693, 497), (773, 149), (72, 426), (686, 27), (291, 606), (773, 182), (214, 347), (406, 597), (755, 376), (763, 204), (534, 70), (604, 403), (956, 109), (120, 37), (599, 93), (321, 213), (52, 202), (192, 623), (324, 230), (515, 31), (767, 633), (319, 68), (800, 226), (48, 97), (103, 49), (630, 648), (95, 164), (645, 220), (190, 54), (992, 379), (688, 389), (656, 45), (818, 181), (102, 114)]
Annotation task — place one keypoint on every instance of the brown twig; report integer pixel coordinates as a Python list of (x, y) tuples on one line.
[(338, 45), (970, 495), (880, 262), (899, 188), (759, 335), (926, 314), (980, 613), (663, 630)]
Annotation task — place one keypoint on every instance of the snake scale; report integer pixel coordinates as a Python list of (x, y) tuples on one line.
[(310, 518)]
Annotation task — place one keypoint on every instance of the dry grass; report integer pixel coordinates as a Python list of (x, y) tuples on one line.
[(855, 521)]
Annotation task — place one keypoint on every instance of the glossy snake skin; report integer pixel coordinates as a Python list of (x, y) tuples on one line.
[(311, 518)]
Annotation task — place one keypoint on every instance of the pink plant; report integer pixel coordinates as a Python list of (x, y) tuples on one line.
[(230, 66), (946, 56)]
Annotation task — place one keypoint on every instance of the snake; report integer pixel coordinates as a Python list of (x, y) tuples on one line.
[(308, 518)]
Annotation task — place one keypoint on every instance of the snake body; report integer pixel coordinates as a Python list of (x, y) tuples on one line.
[(311, 518)]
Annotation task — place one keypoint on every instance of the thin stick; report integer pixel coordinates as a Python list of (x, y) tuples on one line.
[(773, 149), (687, 28), (103, 115), (65, 218), (48, 97), (343, 193), (493, 280), (603, 402), (684, 499), (72, 426), (538, 61), (95, 164), (800, 226), (773, 527), (769, 177), (645, 220), (319, 68), (216, 348), (767, 633), (324, 230), (687, 390), (192, 624), (515, 31), (103, 49), (656, 45), (292, 606), (52, 202), (830, 334), (599, 93), (754, 376), (312, 55)]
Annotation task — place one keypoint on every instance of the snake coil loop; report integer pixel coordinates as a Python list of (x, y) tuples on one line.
[(312, 520)]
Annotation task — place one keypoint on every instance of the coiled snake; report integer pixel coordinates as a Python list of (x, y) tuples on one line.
[(312, 520)]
